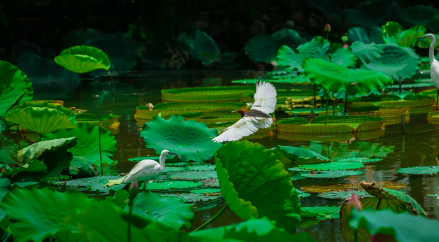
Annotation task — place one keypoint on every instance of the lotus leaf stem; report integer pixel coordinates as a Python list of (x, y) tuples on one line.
[(347, 181), (212, 219), (131, 202)]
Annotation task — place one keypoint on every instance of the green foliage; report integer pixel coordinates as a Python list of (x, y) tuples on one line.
[(320, 212), (83, 59), (372, 35), (190, 140), (371, 13), (333, 166), (263, 47), (343, 194), (420, 15), (263, 190), (172, 185), (419, 170), (45, 104), (297, 155), (193, 175), (393, 34), (332, 174), (201, 47), (88, 142), (93, 184), (338, 78), (367, 53), (214, 106)]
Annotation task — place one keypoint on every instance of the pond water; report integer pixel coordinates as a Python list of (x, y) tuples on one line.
[(120, 94)]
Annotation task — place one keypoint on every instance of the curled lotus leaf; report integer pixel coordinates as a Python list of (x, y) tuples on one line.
[(366, 35), (419, 170), (88, 142), (192, 141), (83, 59), (41, 120), (194, 175), (393, 33), (331, 174), (343, 194), (172, 185), (320, 212), (45, 104), (333, 166), (255, 184), (168, 210)]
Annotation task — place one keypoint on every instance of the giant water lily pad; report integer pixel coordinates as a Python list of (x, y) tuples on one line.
[(201, 47), (83, 59), (93, 184), (331, 174), (194, 175), (320, 212), (168, 210), (192, 141), (15, 87), (37, 214), (419, 170), (248, 173), (343, 194), (202, 167), (263, 47), (172, 185), (88, 142), (333, 166)]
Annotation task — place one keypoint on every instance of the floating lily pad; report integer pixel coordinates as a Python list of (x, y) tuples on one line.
[(193, 197), (320, 212), (194, 175), (190, 140), (83, 59), (210, 182), (327, 188), (333, 166), (209, 190), (343, 194), (172, 185), (298, 155), (303, 194), (93, 184), (201, 167), (419, 170), (332, 174), (359, 159), (169, 169)]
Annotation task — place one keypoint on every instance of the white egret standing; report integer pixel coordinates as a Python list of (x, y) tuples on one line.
[(434, 69), (144, 171), (255, 118)]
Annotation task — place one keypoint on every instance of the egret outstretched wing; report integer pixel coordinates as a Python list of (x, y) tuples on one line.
[(265, 97), (244, 127)]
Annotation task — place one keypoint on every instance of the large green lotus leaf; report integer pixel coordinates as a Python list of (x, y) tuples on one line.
[(190, 140), (80, 36), (168, 210), (366, 35), (396, 61), (15, 87), (419, 170), (83, 59), (367, 52), (201, 47), (300, 155), (44, 104), (420, 15), (214, 106), (35, 167), (289, 60), (255, 184), (333, 166), (120, 49), (34, 151), (393, 34), (41, 120), (401, 94), (37, 214), (201, 167), (318, 47), (331, 174), (263, 47), (371, 13), (257, 230), (88, 142), (342, 56), (338, 78), (396, 225)]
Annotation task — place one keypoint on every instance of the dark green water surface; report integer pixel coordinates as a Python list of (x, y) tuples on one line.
[(120, 95)]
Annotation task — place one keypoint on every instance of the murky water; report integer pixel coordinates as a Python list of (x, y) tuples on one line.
[(120, 95)]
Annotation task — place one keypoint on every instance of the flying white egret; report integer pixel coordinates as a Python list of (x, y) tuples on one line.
[(144, 171), (434, 70), (255, 118)]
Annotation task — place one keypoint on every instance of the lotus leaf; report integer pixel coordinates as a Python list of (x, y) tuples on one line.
[(425, 44), (215, 106), (366, 35), (333, 166), (15, 87), (174, 169), (202, 167), (120, 49), (88, 142), (2, 126), (263, 47), (208, 191), (41, 120), (371, 13), (81, 167), (248, 173), (320, 212), (190, 140), (303, 194), (367, 53), (168, 210), (396, 225), (420, 15), (419, 170), (194, 175), (37, 214), (393, 34), (337, 78), (172, 185), (201, 47), (300, 155), (343, 194), (401, 94), (83, 59), (358, 159), (8, 150), (195, 198), (332, 174), (93, 184), (86, 117), (23, 46), (342, 56), (45, 104)]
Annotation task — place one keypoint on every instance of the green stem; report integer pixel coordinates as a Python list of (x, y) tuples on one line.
[(100, 150), (315, 101), (346, 102), (212, 219), (327, 36), (129, 218), (326, 110), (80, 90)]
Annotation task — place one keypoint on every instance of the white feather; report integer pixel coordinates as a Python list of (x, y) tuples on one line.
[(145, 170), (265, 98), (244, 127)]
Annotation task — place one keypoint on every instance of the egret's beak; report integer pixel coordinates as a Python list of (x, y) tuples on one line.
[(423, 37), (172, 153)]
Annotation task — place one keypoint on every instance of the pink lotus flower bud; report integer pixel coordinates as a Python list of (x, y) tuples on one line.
[(345, 46), (133, 189), (354, 203), (327, 28)]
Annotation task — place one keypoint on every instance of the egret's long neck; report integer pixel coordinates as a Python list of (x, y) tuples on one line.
[(431, 52), (162, 162)]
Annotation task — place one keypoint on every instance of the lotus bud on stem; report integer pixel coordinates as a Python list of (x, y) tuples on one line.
[(327, 30), (132, 190)]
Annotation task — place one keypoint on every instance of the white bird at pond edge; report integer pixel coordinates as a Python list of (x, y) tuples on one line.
[(255, 118), (144, 171), (434, 70)]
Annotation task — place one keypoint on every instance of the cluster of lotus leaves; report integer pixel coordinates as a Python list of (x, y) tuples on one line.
[(15, 87), (83, 59), (190, 140)]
